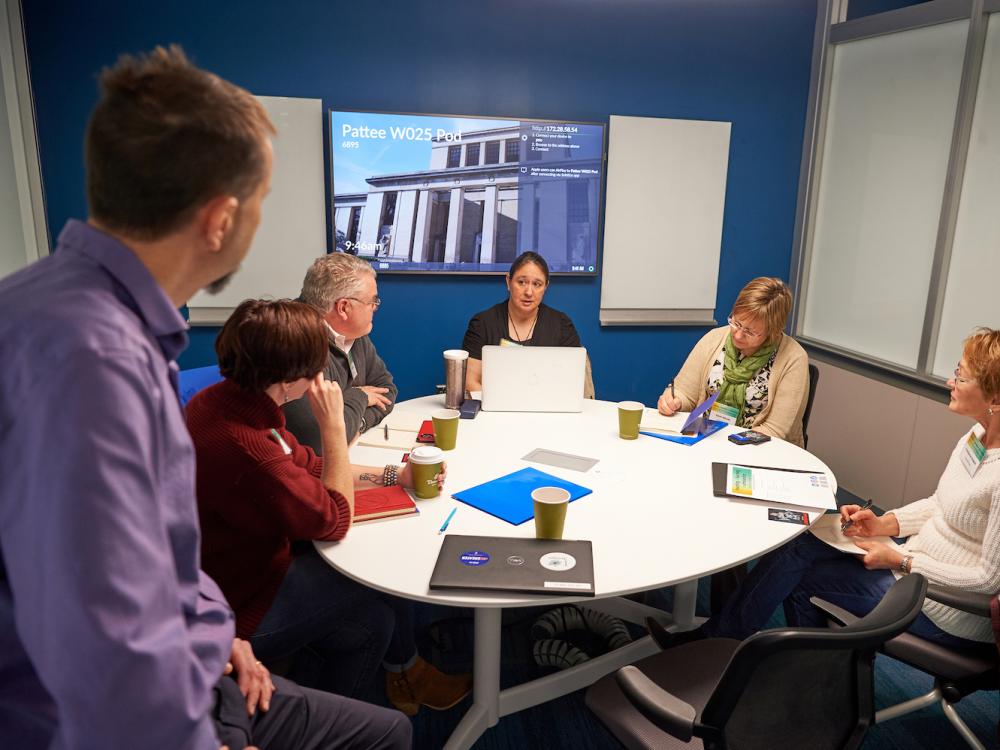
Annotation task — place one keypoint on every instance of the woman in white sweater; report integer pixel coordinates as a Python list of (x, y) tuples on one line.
[(953, 535)]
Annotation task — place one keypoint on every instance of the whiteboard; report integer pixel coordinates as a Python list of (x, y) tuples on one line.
[(663, 220), (292, 231)]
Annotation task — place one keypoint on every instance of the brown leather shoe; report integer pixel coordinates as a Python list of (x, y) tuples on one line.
[(400, 693), (424, 684)]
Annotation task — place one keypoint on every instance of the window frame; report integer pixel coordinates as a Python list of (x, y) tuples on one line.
[(833, 29)]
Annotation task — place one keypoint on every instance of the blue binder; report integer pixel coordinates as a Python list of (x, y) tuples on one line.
[(509, 497), (711, 426)]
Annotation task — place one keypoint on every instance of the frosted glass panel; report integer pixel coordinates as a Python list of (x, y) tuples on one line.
[(891, 115), (971, 295)]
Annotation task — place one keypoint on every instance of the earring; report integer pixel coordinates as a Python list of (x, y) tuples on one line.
[(286, 395), (990, 411)]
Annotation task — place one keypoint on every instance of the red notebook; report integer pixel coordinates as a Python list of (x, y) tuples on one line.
[(382, 502)]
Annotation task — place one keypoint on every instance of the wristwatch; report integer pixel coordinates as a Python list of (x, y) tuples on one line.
[(905, 564)]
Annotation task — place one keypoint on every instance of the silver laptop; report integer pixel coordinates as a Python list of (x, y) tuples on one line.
[(533, 378)]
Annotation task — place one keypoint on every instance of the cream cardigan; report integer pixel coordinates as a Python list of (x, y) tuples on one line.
[(787, 387)]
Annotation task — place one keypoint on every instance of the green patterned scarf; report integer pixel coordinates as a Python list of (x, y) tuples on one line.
[(736, 373)]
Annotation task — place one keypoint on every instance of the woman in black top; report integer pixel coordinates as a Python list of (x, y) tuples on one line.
[(521, 320)]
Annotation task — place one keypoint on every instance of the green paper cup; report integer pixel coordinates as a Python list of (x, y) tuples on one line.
[(425, 463), (629, 417), (550, 511), (445, 428)]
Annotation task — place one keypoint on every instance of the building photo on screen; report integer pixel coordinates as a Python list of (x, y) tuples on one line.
[(456, 194)]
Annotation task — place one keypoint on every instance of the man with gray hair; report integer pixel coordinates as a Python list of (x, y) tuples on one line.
[(343, 287)]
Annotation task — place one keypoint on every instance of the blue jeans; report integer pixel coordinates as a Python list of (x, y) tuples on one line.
[(335, 630), (803, 568)]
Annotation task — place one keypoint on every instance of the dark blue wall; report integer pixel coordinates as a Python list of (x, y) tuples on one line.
[(862, 8), (748, 63)]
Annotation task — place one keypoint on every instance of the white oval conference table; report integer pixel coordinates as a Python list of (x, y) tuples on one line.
[(652, 519)]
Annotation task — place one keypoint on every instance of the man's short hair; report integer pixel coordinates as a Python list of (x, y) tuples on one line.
[(164, 138), (332, 277), (271, 341)]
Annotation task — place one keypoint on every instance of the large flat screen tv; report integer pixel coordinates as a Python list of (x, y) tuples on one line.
[(450, 194)]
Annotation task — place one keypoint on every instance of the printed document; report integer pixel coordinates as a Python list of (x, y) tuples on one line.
[(808, 489)]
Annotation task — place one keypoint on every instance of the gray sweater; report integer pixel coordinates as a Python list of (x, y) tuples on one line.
[(358, 416)]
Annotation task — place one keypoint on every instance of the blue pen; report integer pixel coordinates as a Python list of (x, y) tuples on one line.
[(447, 521)]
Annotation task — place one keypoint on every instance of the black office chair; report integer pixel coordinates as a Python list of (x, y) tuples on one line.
[(790, 687), (956, 673), (810, 397)]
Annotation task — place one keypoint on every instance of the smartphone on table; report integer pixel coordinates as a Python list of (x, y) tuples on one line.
[(749, 437)]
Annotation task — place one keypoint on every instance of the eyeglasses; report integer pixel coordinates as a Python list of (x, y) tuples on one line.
[(959, 379), (523, 283), (736, 326), (374, 301)]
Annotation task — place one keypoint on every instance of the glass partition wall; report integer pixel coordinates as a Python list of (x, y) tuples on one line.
[(898, 227)]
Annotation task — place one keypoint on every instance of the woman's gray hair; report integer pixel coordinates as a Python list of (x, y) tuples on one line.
[(332, 277)]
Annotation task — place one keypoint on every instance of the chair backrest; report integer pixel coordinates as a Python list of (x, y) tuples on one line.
[(196, 379), (810, 397), (807, 687)]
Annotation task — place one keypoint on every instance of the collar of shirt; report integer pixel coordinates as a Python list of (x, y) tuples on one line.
[(341, 342), (137, 287)]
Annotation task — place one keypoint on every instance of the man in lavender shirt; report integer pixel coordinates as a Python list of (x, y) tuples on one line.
[(110, 635)]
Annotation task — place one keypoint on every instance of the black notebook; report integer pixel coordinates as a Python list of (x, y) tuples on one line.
[(533, 566)]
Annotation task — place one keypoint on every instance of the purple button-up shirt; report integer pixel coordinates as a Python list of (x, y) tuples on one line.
[(110, 635)]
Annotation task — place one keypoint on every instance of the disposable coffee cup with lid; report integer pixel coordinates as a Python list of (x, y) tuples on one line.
[(425, 463)]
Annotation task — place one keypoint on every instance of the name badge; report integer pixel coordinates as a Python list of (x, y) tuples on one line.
[(973, 454), (507, 342), (724, 413)]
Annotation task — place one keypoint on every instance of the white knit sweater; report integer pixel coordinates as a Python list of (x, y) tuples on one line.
[(955, 538)]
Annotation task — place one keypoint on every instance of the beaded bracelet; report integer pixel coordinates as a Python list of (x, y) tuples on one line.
[(390, 475)]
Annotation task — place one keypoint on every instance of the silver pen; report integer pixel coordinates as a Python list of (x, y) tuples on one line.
[(848, 523)]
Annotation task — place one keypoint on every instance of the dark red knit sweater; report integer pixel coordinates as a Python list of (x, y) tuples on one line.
[(253, 498)]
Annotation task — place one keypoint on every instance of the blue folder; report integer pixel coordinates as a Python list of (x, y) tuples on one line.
[(711, 426), (509, 497)]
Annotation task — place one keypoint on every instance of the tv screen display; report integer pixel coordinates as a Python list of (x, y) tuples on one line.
[(456, 194)]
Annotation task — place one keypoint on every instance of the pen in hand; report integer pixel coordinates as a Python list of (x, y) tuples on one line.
[(845, 525), (672, 389), (447, 521)]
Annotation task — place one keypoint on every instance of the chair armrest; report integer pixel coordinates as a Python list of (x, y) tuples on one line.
[(968, 601), (666, 711), (839, 614)]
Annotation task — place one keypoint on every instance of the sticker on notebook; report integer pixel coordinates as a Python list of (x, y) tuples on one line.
[(559, 561), (474, 558)]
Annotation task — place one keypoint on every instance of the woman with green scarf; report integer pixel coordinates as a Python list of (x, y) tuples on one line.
[(761, 374)]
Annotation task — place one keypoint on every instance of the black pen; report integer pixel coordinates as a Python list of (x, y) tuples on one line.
[(386, 429), (672, 389), (844, 526)]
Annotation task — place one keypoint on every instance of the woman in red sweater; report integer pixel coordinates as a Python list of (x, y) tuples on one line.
[(262, 498)]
